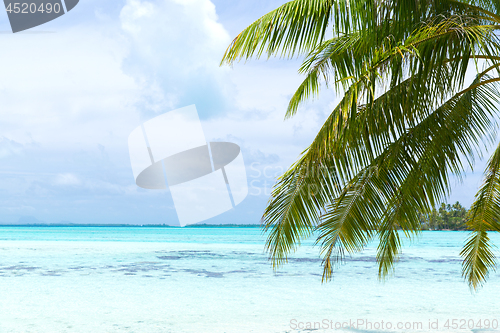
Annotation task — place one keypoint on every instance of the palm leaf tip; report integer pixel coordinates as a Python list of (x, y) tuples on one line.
[(484, 216), (478, 260)]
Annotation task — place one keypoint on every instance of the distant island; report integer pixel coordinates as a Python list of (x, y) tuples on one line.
[(131, 225), (31, 221), (446, 217)]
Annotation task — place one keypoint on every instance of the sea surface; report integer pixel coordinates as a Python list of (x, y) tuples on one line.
[(132, 279)]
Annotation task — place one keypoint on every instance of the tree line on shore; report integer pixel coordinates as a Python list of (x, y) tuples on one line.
[(446, 217)]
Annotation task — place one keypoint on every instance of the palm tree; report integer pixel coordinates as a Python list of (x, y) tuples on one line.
[(407, 120)]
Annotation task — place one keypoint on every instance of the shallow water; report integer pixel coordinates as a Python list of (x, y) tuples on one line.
[(219, 280)]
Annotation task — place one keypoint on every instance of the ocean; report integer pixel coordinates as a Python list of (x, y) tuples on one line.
[(215, 279)]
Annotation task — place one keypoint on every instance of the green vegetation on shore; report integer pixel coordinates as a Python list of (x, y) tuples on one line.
[(446, 217)]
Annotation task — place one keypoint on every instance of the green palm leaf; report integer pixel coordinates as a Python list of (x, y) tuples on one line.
[(384, 155), (484, 216)]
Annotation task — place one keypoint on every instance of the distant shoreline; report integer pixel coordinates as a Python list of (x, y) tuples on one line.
[(55, 225), (69, 225)]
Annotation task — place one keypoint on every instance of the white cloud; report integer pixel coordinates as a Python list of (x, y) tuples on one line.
[(74, 96), (175, 50), (67, 179), (65, 89), (9, 147)]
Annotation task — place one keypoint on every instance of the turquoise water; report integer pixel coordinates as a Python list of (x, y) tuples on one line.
[(219, 280)]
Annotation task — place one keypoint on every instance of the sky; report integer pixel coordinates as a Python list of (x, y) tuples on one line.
[(73, 89)]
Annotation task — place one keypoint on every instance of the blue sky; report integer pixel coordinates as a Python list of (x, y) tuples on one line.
[(73, 89)]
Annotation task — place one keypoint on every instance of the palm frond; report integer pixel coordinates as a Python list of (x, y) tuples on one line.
[(350, 59), (295, 207), (296, 26), (484, 216), (385, 154), (411, 176)]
